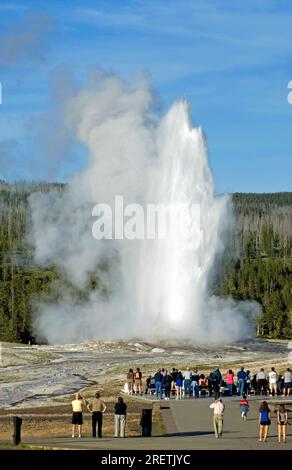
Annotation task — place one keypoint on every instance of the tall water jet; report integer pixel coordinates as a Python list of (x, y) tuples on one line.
[(154, 287), (174, 278)]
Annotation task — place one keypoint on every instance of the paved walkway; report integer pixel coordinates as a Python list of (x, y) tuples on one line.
[(189, 425)]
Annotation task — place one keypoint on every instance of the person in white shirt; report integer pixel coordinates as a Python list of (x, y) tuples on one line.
[(262, 382), (187, 382), (273, 377), (287, 382), (218, 408)]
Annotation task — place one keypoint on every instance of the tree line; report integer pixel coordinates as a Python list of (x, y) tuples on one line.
[(257, 262)]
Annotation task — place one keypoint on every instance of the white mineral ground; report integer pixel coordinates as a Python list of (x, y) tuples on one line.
[(39, 374)]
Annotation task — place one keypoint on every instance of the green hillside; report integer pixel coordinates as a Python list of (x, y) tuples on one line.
[(257, 263)]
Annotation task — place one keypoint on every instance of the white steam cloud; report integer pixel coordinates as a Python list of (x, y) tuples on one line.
[(145, 288)]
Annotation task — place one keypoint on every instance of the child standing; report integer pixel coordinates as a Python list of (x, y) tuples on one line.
[(244, 407)]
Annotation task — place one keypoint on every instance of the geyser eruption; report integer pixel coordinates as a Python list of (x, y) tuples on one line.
[(147, 288), (174, 277)]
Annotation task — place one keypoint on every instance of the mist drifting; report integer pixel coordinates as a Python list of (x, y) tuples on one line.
[(146, 288)]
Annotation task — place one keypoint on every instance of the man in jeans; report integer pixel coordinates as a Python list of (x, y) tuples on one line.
[(241, 378), (97, 407), (218, 408), (195, 383), (158, 377), (187, 381)]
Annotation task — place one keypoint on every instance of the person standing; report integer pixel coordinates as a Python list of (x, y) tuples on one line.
[(229, 381), (287, 382), (218, 408), (148, 385), (187, 382), (241, 378), (97, 407), (166, 382), (273, 377), (120, 417), (216, 379), (264, 421), (244, 407), (174, 376), (282, 419), (178, 384), (218, 375), (138, 381), (77, 416), (195, 377), (158, 377), (203, 384), (248, 381), (130, 381), (262, 382)]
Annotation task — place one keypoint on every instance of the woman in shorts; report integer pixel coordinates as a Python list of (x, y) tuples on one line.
[(282, 419), (178, 385), (264, 421)]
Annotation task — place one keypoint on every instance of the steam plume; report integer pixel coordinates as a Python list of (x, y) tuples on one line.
[(146, 288)]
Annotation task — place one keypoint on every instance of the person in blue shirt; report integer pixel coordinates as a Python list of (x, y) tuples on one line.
[(216, 382), (217, 374), (158, 377), (241, 378), (264, 421)]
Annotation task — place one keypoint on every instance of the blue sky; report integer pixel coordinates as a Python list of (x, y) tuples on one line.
[(231, 59)]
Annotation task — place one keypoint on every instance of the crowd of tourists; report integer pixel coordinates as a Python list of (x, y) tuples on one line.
[(264, 418), (192, 383), (97, 408)]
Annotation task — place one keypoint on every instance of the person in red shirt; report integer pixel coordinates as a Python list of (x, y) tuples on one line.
[(229, 381), (138, 381), (244, 407)]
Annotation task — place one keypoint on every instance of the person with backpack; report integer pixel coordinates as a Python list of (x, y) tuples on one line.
[(264, 421), (282, 420), (138, 381), (244, 407)]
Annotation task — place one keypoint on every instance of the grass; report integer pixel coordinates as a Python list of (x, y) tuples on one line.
[(23, 447)]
